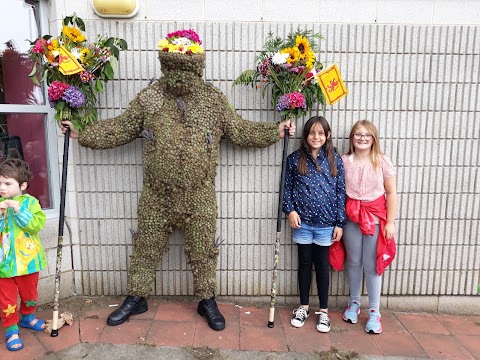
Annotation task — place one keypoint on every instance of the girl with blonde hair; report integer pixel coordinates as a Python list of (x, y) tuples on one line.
[(371, 207)]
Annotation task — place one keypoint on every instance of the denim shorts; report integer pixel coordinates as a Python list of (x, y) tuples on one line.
[(309, 234)]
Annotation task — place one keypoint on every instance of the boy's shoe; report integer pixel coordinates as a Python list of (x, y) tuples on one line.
[(323, 324), (351, 314), (300, 315), (374, 323)]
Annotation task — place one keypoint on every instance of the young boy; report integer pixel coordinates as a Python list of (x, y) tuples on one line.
[(21, 254)]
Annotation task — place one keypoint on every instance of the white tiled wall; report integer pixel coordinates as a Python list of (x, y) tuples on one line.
[(421, 12), (419, 83)]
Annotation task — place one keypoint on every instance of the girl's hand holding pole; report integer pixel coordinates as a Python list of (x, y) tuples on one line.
[(68, 124), (286, 125)]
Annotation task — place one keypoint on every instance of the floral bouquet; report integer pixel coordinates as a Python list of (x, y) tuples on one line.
[(289, 68), (182, 41), (74, 70)]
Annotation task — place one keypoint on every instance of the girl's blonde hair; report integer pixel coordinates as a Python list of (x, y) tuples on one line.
[(376, 152)]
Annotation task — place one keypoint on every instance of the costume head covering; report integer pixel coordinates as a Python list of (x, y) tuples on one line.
[(182, 51)]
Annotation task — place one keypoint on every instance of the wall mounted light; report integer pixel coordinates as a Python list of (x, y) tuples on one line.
[(115, 8)]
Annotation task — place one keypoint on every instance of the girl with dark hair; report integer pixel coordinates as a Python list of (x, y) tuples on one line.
[(314, 201)]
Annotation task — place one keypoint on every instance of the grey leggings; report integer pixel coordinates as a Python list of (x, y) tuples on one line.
[(362, 257)]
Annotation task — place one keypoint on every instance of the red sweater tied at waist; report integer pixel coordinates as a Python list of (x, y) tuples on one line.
[(363, 212)]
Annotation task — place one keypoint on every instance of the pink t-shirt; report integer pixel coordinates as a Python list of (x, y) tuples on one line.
[(363, 182)]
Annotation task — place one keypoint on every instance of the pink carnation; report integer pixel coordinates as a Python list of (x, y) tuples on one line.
[(56, 90), (189, 34), (39, 46), (297, 100)]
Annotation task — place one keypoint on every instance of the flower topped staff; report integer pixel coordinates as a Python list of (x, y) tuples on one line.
[(74, 69), (289, 68)]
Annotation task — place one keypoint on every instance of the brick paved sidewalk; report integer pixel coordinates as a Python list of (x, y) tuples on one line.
[(174, 323)]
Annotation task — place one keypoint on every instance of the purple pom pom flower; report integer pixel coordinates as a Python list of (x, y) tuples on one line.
[(74, 97), (283, 103)]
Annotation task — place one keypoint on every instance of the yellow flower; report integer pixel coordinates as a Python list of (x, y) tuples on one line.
[(302, 44), (196, 49), (293, 54), (176, 48), (310, 60), (163, 44), (53, 45), (74, 34), (84, 52)]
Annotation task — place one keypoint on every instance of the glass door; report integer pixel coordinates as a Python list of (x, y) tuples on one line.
[(23, 108)]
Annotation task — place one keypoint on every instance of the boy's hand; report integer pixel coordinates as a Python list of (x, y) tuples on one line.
[(3, 206), (294, 220), (15, 205)]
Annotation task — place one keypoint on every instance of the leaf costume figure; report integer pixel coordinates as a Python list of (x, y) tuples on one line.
[(183, 119)]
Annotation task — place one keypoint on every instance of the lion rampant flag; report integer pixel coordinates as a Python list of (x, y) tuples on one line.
[(67, 64), (332, 85)]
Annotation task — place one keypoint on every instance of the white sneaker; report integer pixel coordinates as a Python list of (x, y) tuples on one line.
[(323, 324), (300, 315)]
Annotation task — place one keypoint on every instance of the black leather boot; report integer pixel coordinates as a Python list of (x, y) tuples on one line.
[(131, 306), (209, 310)]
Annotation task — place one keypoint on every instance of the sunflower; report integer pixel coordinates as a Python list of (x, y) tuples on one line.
[(74, 34), (310, 59), (293, 54), (302, 44), (83, 53)]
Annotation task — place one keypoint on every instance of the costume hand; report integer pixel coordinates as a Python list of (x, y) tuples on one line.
[(63, 126), (337, 233), (389, 231), (294, 220), (285, 125)]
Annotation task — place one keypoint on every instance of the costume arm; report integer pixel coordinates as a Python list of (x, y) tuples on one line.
[(341, 193), (107, 134), (30, 217), (243, 132)]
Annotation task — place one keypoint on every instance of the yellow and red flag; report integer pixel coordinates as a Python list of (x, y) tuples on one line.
[(332, 85), (67, 64)]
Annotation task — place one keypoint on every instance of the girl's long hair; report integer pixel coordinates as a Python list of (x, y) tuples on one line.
[(375, 152), (328, 146)]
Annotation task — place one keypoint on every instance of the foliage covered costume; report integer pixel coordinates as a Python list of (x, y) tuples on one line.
[(183, 119)]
